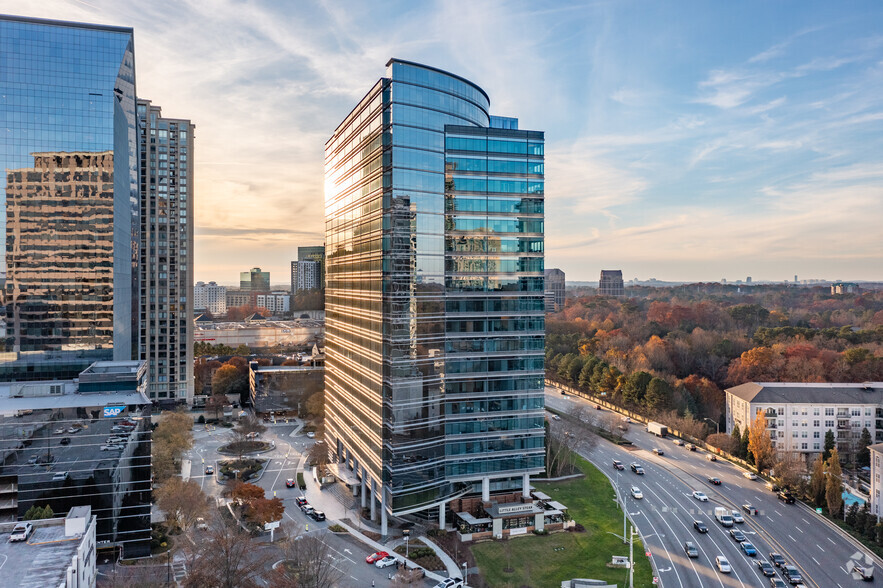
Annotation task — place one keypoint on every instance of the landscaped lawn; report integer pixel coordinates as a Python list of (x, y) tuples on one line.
[(548, 560)]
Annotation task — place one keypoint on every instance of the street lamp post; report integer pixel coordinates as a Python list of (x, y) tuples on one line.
[(715, 423), (465, 575)]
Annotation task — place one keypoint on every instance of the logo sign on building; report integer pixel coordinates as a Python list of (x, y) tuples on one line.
[(113, 411), (515, 508)]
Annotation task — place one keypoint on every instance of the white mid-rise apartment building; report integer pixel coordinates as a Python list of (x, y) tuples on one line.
[(799, 414), (275, 302), (210, 297)]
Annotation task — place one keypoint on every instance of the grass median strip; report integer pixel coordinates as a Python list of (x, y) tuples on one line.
[(548, 560)]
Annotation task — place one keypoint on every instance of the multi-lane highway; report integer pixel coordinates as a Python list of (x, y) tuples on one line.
[(664, 516)]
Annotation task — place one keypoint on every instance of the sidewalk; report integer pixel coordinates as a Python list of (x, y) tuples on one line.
[(450, 564)]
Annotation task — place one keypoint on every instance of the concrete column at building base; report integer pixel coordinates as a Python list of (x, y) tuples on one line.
[(364, 488), (373, 502), (441, 516), (525, 486), (383, 515), (485, 489)]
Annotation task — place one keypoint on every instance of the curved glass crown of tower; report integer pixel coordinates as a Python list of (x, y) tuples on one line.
[(434, 291)]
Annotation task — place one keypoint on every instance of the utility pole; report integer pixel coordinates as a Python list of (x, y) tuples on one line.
[(632, 558)]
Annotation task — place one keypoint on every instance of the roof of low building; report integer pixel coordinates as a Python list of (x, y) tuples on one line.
[(809, 392)]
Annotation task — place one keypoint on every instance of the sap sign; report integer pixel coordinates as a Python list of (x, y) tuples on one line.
[(113, 411)]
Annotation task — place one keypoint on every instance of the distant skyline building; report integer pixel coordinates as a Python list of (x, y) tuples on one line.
[(434, 294), (275, 302), (305, 275), (166, 253), (845, 288), (611, 283), (314, 253), (210, 297), (555, 288), (70, 189), (254, 280)]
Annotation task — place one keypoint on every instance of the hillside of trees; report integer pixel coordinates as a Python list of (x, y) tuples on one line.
[(676, 349)]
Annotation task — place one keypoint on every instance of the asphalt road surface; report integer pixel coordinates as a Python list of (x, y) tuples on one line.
[(664, 517)]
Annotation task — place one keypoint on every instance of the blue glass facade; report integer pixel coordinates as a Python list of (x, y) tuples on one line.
[(434, 290), (70, 189)]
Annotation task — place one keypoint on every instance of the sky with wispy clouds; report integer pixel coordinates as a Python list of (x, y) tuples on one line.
[(686, 140)]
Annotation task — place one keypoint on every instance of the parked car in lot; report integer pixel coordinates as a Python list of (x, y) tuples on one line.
[(737, 535), (21, 532), (638, 469), (450, 583), (305, 506), (33, 459), (73, 430), (636, 493), (700, 526), (722, 564), (777, 559), (617, 465), (690, 549), (59, 431), (748, 548), (749, 475), (65, 441), (376, 556), (766, 568), (385, 562), (700, 496), (737, 517), (311, 435), (715, 481), (555, 417), (111, 447), (317, 515)]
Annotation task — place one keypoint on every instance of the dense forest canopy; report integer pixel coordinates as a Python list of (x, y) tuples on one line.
[(676, 349)]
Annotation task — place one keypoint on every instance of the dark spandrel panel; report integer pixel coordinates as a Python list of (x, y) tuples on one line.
[(70, 187)]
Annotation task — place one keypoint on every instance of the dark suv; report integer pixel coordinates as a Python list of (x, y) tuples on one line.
[(638, 469), (791, 574), (785, 497)]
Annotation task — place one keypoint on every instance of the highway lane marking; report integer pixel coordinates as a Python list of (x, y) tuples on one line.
[(815, 560), (831, 540), (820, 547), (793, 539), (804, 520), (798, 529)]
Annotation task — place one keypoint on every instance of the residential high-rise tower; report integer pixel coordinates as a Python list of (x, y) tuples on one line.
[(166, 253), (434, 293)]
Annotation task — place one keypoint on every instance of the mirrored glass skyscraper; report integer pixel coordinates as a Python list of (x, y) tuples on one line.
[(434, 293), (70, 186)]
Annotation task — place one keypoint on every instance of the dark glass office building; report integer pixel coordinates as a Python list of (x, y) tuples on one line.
[(70, 187), (434, 293)]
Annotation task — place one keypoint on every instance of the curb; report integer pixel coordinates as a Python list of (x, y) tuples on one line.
[(855, 542)]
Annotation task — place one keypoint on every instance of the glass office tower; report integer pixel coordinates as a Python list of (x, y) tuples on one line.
[(70, 189), (434, 293)]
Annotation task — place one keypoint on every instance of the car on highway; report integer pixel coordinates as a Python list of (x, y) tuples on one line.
[(658, 451), (316, 515), (722, 564), (777, 583), (791, 574), (691, 447), (617, 465), (385, 562), (638, 469), (714, 480), (785, 497), (749, 475), (700, 496), (209, 470), (636, 493), (690, 549), (777, 559), (748, 548), (376, 556), (737, 535), (700, 526), (710, 457), (737, 517), (765, 567), (749, 509), (679, 442), (290, 483), (450, 583)]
